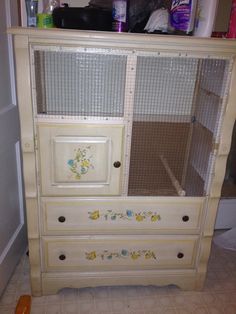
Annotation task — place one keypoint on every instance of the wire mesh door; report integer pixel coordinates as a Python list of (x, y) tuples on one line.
[(80, 83), (178, 108)]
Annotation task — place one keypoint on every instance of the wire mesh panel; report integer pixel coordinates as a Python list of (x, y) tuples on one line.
[(80, 83), (162, 114), (173, 106), (210, 107), (178, 109), (164, 88), (212, 89)]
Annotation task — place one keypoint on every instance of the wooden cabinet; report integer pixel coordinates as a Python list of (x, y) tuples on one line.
[(125, 139)]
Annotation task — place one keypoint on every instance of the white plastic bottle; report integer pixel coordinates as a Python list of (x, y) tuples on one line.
[(205, 17)]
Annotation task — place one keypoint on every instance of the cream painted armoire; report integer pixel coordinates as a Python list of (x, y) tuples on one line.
[(125, 140)]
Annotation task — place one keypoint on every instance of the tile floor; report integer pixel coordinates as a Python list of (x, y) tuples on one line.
[(218, 296)]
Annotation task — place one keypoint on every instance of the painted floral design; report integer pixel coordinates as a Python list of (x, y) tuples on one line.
[(91, 255), (81, 164), (127, 215), (123, 254), (94, 215)]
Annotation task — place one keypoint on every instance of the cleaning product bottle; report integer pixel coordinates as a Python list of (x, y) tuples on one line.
[(205, 17), (182, 16), (120, 15), (45, 19), (232, 23), (31, 10)]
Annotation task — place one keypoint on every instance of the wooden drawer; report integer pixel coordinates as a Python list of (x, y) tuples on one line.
[(80, 159), (63, 216), (97, 253)]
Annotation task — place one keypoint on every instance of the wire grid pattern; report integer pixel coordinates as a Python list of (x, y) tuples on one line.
[(162, 113), (164, 88), (80, 83), (210, 108), (165, 112), (164, 109), (213, 88)]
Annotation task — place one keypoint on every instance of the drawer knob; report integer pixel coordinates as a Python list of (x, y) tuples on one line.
[(180, 255), (62, 219), (117, 164), (62, 257), (185, 218)]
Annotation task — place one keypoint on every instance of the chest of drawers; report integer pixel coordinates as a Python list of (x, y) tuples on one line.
[(125, 140)]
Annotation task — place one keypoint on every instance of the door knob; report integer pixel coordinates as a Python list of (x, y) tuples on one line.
[(117, 164)]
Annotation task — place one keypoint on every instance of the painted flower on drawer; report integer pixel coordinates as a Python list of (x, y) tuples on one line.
[(91, 255), (126, 215), (81, 163), (123, 254)]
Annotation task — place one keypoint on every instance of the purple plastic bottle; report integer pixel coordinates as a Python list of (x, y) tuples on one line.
[(120, 15), (182, 16)]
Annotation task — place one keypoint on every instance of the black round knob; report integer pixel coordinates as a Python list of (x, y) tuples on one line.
[(185, 218), (180, 255), (62, 219), (62, 257), (117, 164)]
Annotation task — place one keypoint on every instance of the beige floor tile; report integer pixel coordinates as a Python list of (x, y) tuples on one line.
[(39, 309), (53, 308), (70, 308), (119, 305), (8, 299), (117, 292), (135, 304), (149, 303), (51, 299), (101, 293), (164, 301), (167, 310), (103, 306), (214, 309), (7, 309), (69, 295), (39, 300), (86, 307), (86, 294)]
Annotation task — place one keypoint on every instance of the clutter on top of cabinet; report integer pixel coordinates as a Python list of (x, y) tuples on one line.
[(158, 21), (50, 5), (44, 19), (205, 17), (232, 24), (120, 15), (182, 16), (82, 18), (138, 13), (31, 11)]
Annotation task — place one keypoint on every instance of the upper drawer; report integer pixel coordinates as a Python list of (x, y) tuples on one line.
[(121, 215), (80, 159)]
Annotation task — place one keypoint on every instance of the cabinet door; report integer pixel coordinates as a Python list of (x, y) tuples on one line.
[(80, 159)]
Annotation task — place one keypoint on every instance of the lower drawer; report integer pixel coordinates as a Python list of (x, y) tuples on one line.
[(96, 253)]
